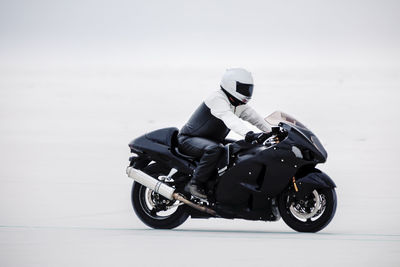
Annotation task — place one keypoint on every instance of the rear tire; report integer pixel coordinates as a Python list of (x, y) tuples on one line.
[(144, 199), (317, 222)]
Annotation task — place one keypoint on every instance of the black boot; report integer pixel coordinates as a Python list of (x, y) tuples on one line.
[(196, 190)]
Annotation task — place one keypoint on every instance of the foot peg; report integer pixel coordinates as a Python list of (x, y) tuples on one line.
[(196, 190)]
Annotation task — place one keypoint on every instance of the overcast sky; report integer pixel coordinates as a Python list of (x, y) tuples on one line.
[(312, 32)]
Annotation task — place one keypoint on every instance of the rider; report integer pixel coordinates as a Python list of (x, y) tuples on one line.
[(207, 128)]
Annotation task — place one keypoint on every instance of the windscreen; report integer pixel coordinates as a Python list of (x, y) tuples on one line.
[(278, 116)]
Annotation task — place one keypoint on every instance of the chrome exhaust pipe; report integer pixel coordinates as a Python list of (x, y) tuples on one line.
[(151, 183), (163, 189), (193, 205)]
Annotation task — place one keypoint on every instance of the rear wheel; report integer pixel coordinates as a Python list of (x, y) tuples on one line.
[(153, 209), (310, 214)]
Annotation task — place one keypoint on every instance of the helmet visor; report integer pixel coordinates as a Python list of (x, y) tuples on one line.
[(244, 89)]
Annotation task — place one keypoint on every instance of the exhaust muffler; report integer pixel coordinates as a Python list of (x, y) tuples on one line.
[(163, 189), (151, 183)]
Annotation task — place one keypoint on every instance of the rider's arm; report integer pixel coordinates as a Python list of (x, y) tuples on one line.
[(221, 108), (247, 113)]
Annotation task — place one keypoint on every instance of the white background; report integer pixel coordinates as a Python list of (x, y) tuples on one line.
[(80, 79)]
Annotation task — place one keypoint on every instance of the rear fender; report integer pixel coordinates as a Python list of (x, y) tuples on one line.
[(138, 162)]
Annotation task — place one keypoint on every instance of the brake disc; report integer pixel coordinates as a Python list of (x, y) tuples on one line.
[(305, 216)]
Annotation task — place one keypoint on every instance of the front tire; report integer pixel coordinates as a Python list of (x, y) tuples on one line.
[(153, 209), (309, 218)]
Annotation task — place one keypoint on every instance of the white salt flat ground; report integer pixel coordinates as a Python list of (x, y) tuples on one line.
[(65, 199)]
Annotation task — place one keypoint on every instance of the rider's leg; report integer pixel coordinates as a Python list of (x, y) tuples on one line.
[(209, 152)]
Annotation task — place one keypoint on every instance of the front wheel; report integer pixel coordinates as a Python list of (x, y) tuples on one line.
[(311, 214), (153, 209)]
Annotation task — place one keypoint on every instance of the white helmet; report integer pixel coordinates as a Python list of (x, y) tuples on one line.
[(238, 82)]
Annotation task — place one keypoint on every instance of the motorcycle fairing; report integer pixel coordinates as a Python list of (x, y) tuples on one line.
[(297, 138), (261, 171), (257, 172), (279, 118)]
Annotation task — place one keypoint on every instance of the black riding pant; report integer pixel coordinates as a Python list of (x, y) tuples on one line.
[(206, 150)]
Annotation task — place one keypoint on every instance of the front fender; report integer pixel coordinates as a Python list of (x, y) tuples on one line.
[(311, 181), (318, 179)]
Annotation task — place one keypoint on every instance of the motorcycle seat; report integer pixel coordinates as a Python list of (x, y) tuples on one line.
[(163, 136)]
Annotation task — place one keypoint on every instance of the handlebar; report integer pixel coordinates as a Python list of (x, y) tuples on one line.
[(277, 134)]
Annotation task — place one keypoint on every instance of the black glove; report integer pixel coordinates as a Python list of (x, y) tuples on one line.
[(257, 137)]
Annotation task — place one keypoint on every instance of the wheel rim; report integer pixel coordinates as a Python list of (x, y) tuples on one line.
[(155, 205), (304, 212)]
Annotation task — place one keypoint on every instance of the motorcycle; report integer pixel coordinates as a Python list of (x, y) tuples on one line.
[(265, 180)]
